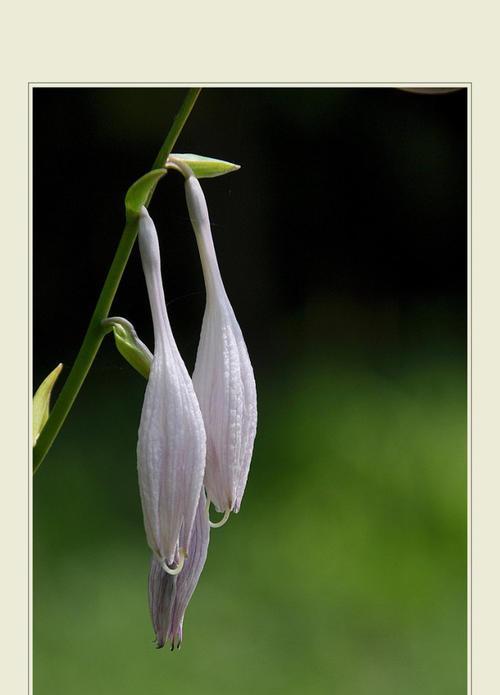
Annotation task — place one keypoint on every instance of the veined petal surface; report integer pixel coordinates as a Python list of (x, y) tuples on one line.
[(171, 447), (169, 595), (223, 376)]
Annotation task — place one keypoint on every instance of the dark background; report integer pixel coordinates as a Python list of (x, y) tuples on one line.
[(342, 243)]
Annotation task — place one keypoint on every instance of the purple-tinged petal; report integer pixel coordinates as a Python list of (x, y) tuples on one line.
[(161, 591), (169, 595)]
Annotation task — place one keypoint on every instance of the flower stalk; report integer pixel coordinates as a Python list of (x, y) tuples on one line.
[(96, 331)]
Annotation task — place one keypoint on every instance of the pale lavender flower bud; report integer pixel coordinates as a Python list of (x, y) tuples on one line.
[(223, 376), (169, 595), (171, 447)]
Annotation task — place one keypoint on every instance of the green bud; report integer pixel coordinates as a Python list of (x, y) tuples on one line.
[(205, 167), (41, 402), (129, 345), (139, 191)]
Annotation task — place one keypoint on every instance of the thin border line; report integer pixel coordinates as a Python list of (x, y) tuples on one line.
[(469, 385), (30, 387), (234, 85)]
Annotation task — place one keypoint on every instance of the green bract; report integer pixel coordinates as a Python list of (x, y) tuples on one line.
[(129, 345), (205, 167), (41, 402), (138, 193)]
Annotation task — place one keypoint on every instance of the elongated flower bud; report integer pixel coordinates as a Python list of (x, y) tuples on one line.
[(223, 376), (169, 595), (171, 446)]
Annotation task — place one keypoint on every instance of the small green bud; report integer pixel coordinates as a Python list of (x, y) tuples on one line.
[(139, 191), (129, 345), (205, 167), (41, 402)]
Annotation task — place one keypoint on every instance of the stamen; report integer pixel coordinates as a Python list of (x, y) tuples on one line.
[(217, 524), (176, 570)]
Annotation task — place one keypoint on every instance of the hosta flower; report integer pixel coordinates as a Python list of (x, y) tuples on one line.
[(171, 446), (223, 377), (169, 595)]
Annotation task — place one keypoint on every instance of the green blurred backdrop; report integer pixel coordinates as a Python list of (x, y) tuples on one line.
[(345, 571)]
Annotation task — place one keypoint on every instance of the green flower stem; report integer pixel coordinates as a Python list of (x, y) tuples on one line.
[(96, 332), (175, 130)]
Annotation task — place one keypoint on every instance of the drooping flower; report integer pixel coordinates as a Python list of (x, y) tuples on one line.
[(171, 448), (223, 376), (169, 595)]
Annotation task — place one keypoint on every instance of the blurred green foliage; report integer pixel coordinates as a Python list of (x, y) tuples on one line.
[(344, 573)]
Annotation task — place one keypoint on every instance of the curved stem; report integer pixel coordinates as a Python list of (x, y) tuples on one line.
[(96, 332)]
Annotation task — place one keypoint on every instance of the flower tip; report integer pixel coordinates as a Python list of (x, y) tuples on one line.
[(175, 639), (159, 640)]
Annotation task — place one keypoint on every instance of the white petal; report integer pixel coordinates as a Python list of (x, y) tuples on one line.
[(223, 376), (171, 446)]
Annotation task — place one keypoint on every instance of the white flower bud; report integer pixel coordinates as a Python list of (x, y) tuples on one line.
[(223, 376), (171, 447)]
